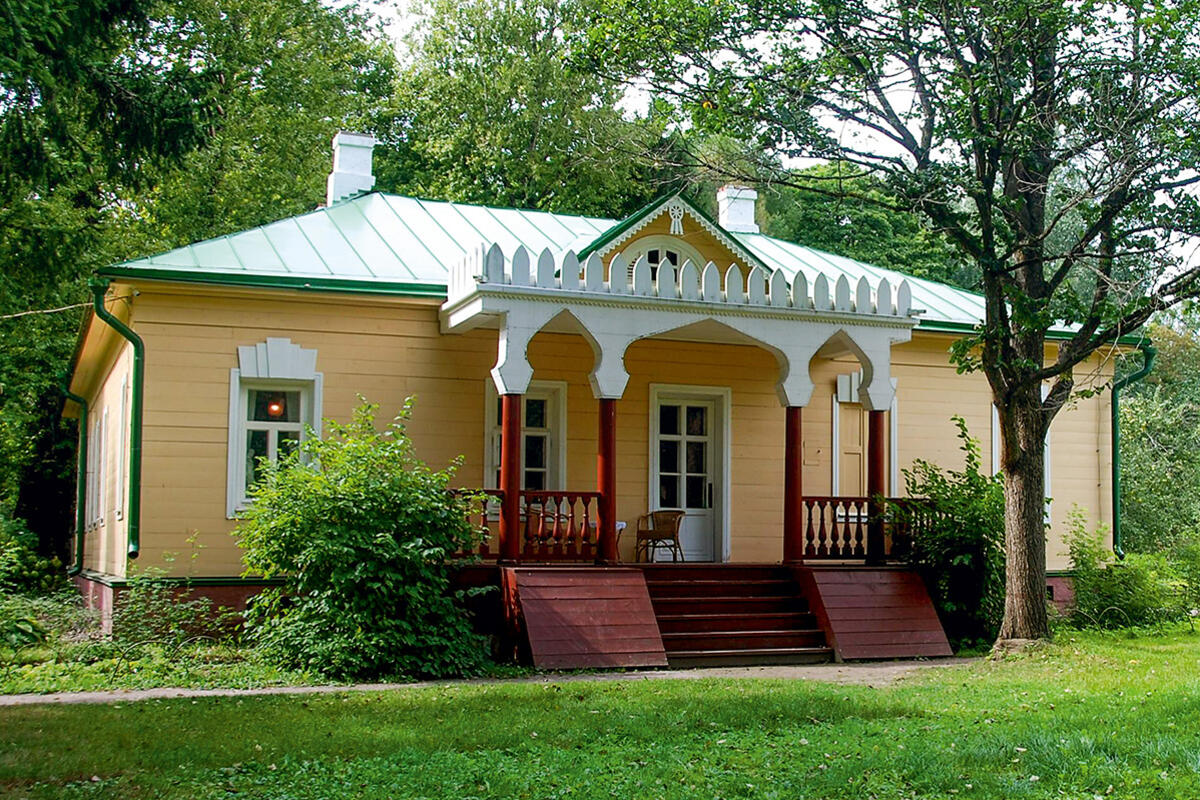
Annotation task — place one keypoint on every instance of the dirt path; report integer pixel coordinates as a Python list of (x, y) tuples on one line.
[(875, 675)]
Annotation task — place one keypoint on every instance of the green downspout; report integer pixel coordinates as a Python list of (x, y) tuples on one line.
[(134, 518), (1149, 351), (81, 483)]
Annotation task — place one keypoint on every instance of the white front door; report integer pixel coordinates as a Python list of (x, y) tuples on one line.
[(685, 470)]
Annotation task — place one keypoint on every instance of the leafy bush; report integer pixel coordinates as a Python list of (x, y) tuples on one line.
[(22, 570), (959, 547), (1144, 589), (155, 610), (360, 529)]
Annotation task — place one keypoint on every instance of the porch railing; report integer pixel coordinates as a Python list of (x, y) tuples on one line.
[(562, 526), (838, 528), (555, 525)]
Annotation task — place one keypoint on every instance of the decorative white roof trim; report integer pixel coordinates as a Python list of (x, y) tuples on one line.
[(521, 296), (678, 206), (562, 275)]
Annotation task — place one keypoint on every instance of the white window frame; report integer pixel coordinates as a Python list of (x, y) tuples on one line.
[(97, 457), (555, 395), (640, 247), (279, 365)]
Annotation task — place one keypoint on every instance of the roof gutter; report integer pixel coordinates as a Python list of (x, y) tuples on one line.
[(1149, 352), (81, 478), (134, 518)]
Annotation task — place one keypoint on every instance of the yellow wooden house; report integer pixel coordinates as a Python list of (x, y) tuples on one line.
[(602, 368)]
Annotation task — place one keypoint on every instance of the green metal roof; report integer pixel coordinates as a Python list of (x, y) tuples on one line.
[(382, 243)]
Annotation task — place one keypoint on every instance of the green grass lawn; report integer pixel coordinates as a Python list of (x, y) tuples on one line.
[(1092, 715)]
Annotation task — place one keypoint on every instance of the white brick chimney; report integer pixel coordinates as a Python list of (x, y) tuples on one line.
[(735, 208), (351, 167)]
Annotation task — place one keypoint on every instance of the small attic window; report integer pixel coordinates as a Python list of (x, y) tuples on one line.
[(660, 249)]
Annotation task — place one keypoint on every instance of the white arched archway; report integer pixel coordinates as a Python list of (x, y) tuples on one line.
[(520, 298)]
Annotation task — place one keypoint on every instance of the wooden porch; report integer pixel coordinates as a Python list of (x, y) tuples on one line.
[(688, 615)]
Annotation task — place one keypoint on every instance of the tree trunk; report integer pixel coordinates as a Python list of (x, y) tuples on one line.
[(1024, 425)]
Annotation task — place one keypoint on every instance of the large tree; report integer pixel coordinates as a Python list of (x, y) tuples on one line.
[(132, 127), (1053, 142), (488, 110)]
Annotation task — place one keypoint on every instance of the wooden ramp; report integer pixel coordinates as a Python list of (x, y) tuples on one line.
[(583, 617), (870, 612)]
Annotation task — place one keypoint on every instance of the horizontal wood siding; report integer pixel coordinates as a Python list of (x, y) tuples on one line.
[(390, 348), (582, 617), (874, 613)]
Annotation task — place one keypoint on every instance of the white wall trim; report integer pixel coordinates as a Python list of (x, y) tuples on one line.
[(723, 395), (1047, 485), (894, 443), (849, 389), (995, 439), (836, 446), (122, 449)]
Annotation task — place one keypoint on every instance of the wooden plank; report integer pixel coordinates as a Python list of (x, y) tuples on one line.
[(586, 617), (891, 637), (600, 661), (559, 647), (549, 631), (581, 594), (900, 623), (897, 651)]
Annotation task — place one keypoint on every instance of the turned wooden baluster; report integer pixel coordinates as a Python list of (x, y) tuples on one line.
[(858, 550), (809, 547), (822, 534)]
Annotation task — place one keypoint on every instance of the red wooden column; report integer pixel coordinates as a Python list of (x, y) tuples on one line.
[(793, 490), (510, 478), (606, 481), (876, 484)]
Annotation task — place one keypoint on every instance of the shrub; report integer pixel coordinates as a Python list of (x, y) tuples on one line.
[(360, 529), (22, 570), (156, 610), (1144, 589), (959, 547)]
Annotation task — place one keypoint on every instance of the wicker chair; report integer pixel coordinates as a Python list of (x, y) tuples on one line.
[(658, 529)]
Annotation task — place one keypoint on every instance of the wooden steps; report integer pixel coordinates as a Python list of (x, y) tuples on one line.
[(733, 615), (718, 614)]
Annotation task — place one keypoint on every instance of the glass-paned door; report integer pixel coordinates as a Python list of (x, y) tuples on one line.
[(685, 473)]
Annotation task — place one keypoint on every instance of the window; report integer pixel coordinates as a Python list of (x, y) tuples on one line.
[(659, 249), (122, 450), (543, 458), (94, 496), (274, 398)]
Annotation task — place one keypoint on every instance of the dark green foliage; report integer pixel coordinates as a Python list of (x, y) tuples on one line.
[(1143, 589), (22, 570), (853, 215), (274, 80), (361, 534), (960, 549)]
